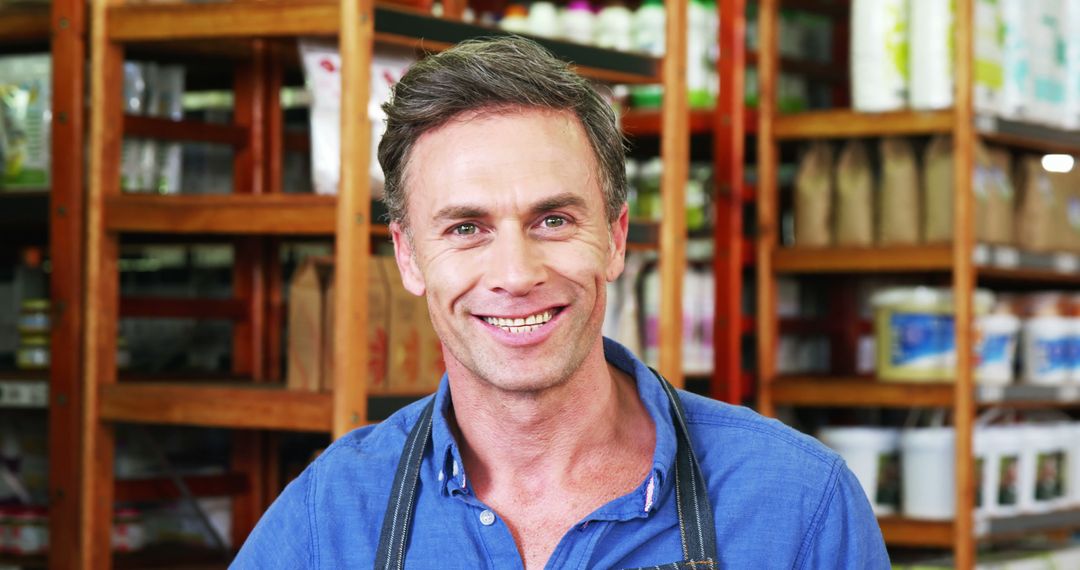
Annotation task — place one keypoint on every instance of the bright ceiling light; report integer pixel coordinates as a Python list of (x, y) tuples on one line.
[(1057, 163)]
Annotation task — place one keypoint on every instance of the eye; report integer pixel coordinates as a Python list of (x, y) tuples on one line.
[(466, 229), (552, 222)]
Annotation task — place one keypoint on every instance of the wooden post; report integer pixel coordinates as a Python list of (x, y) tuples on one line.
[(102, 292), (729, 155), (768, 214), (963, 286), (353, 246), (68, 24), (674, 152)]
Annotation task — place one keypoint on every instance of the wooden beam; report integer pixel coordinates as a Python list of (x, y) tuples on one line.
[(165, 22), (228, 406), (675, 153), (185, 131), (923, 534), (768, 204), (28, 23), (844, 123), (898, 259), (164, 489), (235, 214), (859, 392), (352, 250)]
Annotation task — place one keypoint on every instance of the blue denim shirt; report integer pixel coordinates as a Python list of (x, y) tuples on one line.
[(781, 500)]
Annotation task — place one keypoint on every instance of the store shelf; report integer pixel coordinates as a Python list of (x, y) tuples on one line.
[(164, 488), (230, 406), (896, 259), (135, 23), (646, 123), (859, 392), (24, 24), (899, 531), (1028, 524), (846, 123), (185, 131), (236, 214), (1027, 135)]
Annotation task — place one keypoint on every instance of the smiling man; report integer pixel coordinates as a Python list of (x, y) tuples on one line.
[(546, 445)]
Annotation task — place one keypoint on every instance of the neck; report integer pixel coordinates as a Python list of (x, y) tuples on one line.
[(549, 437)]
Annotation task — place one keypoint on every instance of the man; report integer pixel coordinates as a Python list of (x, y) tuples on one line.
[(545, 445)]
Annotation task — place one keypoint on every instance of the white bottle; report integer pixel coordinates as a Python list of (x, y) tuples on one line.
[(697, 53), (543, 19), (931, 62), (577, 22), (649, 33), (614, 27), (516, 19), (879, 55)]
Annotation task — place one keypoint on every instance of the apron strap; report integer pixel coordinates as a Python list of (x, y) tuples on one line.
[(696, 524), (399, 511), (697, 528)]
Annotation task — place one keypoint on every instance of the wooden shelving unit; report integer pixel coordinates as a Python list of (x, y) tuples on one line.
[(257, 214), (961, 262)]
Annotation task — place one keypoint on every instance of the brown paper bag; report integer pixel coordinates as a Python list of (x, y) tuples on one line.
[(308, 332), (1067, 191), (404, 334), (984, 187), (1034, 213), (898, 204), (1001, 224), (813, 196), (938, 191), (854, 220)]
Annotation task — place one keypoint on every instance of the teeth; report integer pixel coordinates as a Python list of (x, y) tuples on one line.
[(520, 325)]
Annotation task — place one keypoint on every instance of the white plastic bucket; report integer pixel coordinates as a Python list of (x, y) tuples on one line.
[(1041, 469), (872, 454), (1073, 450), (1002, 470), (996, 349), (1073, 349), (879, 46), (931, 58), (929, 473), (1046, 352)]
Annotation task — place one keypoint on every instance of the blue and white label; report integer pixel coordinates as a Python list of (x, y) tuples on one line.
[(920, 340), (1051, 355), (997, 349)]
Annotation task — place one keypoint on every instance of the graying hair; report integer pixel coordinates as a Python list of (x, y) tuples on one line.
[(494, 74)]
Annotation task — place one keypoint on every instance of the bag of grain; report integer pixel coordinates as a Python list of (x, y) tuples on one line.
[(854, 197), (898, 205), (1036, 205), (1002, 202), (813, 196), (938, 191)]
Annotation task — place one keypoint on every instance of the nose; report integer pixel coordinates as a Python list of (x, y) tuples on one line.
[(516, 265)]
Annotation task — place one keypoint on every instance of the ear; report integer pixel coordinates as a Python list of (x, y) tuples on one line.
[(405, 256), (617, 254)]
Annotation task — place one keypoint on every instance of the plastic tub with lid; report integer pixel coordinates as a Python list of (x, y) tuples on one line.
[(928, 467), (872, 454), (995, 348)]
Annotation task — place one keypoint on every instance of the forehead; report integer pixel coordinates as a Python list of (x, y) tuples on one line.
[(501, 158)]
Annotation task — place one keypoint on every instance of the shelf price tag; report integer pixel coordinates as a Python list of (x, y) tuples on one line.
[(1066, 263), (991, 394), (1068, 393), (1007, 257)]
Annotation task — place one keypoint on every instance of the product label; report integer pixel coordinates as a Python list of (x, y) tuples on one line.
[(1073, 352), (1008, 480), (1051, 355), (888, 480), (995, 349), (921, 340), (1049, 477)]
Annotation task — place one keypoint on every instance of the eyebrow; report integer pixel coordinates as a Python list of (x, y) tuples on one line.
[(465, 211)]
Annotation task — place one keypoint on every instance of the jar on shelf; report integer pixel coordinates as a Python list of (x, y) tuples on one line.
[(33, 353), (29, 531), (34, 317)]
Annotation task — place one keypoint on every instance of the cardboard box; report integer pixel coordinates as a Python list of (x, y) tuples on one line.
[(311, 325)]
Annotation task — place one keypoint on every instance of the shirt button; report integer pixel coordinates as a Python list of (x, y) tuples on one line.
[(487, 518)]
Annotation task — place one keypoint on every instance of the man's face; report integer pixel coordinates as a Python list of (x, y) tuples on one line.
[(511, 245)]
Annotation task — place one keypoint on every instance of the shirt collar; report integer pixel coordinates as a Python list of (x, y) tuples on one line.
[(450, 472)]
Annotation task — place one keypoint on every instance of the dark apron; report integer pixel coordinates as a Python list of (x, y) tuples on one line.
[(696, 527)]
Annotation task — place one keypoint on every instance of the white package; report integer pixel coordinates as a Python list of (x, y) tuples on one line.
[(988, 71), (322, 71), (25, 121), (879, 55), (1015, 59), (931, 54), (1046, 95), (1071, 22)]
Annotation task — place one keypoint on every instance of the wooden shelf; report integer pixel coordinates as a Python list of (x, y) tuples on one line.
[(895, 259), (24, 24), (164, 489), (185, 131), (232, 214), (229, 406), (814, 70), (899, 531), (646, 122), (845, 123), (1027, 135), (859, 392), (171, 22)]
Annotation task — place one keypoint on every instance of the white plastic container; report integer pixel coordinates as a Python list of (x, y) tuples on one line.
[(996, 349), (578, 22), (649, 30), (915, 332), (984, 488), (1041, 469), (1015, 58), (931, 55), (614, 28), (872, 454), (1045, 350), (1071, 20), (929, 473), (543, 19), (1001, 470), (1073, 463), (515, 20), (1046, 95), (1072, 346), (879, 55), (988, 72), (697, 53)]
